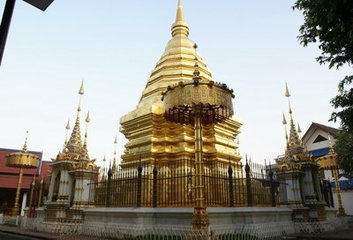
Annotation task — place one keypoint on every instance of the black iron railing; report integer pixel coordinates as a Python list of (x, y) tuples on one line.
[(171, 184)]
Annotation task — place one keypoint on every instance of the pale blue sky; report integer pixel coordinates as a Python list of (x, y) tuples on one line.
[(114, 45)]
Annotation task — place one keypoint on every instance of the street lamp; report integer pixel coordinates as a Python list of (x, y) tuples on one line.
[(7, 16)]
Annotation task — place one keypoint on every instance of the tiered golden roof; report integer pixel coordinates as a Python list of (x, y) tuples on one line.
[(74, 149), (295, 152), (149, 134)]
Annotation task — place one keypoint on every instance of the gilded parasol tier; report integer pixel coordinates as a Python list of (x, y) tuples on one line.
[(150, 136)]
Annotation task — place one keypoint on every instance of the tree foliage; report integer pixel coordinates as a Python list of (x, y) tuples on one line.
[(344, 150), (329, 23), (344, 102)]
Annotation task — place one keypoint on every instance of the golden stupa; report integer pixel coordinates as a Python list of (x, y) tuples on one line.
[(150, 136)]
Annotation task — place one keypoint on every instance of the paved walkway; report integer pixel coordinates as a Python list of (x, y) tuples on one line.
[(42, 235)]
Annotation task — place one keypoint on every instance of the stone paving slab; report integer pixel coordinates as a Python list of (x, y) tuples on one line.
[(43, 235)]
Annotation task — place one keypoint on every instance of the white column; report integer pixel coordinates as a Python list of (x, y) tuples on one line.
[(23, 205)]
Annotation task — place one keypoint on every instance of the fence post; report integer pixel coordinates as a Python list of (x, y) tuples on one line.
[(330, 193), (248, 184), (109, 181), (155, 173), (231, 193), (272, 188), (139, 184)]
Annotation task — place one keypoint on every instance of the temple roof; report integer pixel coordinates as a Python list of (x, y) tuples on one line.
[(332, 131)]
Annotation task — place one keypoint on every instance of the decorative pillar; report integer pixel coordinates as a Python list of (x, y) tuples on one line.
[(200, 216), (40, 193), (18, 191), (341, 211), (197, 102)]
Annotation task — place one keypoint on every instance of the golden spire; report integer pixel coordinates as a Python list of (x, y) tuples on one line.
[(293, 134), (103, 169), (196, 72), (287, 94), (82, 89), (299, 131), (84, 155), (180, 27), (75, 143), (67, 127), (24, 149), (114, 168), (284, 122)]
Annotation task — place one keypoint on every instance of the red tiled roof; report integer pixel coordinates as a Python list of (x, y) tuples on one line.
[(45, 168), (10, 181)]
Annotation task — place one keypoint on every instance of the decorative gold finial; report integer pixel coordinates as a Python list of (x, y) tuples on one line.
[(284, 121), (114, 168), (68, 125), (294, 142), (103, 169), (82, 89), (196, 72), (84, 154), (88, 119), (299, 129), (74, 144), (287, 94), (330, 144), (24, 149), (180, 27)]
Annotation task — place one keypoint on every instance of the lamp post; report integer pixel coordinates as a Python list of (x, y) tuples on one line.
[(7, 16)]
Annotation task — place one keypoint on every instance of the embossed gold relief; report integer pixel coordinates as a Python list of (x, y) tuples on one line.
[(20, 159)]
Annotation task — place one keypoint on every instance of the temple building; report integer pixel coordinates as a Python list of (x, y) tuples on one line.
[(181, 169), (73, 173), (298, 172), (150, 137)]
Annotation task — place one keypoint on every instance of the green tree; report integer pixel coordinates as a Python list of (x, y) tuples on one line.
[(329, 23), (344, 149)]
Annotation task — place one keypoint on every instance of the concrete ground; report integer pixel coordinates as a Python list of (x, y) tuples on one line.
[(41, 235), (342, 235)]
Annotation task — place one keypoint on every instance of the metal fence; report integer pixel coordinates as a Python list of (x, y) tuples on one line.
[(171, 184)]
